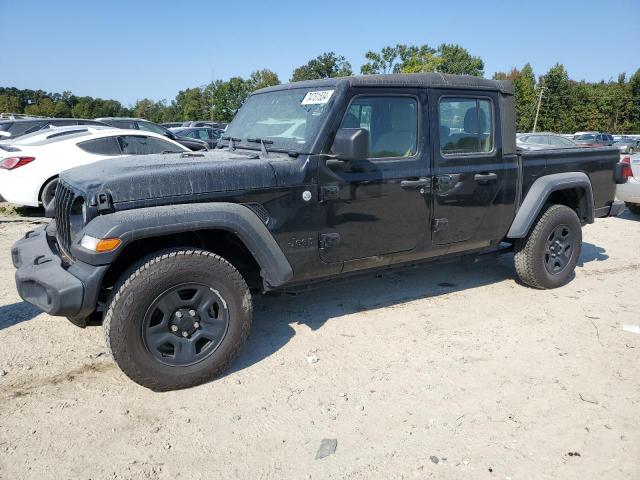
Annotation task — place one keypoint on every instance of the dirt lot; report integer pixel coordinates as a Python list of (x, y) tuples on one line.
[(453, 371)]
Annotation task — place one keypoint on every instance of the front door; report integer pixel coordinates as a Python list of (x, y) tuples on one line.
[(379, 205), (469, 169)]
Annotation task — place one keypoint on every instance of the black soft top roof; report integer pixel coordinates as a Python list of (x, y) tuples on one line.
[(432, 80)]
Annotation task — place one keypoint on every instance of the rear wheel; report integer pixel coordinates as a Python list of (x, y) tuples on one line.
[(634, 208), (178, 319), (548, 255), (48, 192)]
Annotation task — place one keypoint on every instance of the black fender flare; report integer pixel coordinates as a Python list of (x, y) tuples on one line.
[(539, 193), (132, 225)]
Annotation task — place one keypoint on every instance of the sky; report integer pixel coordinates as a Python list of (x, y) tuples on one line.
[(128, 50)]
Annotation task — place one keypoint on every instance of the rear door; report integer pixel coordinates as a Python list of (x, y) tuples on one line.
[(470, 173)]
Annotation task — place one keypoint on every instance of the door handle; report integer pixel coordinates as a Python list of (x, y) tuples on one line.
[(485, 177), (420, 182)]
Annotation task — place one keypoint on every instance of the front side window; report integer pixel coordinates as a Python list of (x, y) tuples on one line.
[(392, 123), (203, 134), (466, 126)]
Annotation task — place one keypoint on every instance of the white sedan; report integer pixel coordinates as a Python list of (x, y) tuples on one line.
[(629, 192), (30, 165)]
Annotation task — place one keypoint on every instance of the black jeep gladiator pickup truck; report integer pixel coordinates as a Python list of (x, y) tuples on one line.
[(311, 181)]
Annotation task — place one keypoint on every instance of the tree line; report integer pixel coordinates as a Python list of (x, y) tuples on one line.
[(566, 105)]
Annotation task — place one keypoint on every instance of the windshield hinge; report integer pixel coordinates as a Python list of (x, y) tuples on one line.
[(104, 202), (329, 192)]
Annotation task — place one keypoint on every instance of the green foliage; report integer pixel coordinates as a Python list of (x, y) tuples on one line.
[(10, 104), (567, 105), (327, 65), (263, 78), (447, 58)]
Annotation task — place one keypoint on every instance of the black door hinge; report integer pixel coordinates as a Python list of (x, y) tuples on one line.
[(327, 240), (439, 224), (329, 192), (104, 202)]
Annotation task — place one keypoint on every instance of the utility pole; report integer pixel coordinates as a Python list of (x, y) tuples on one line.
[(535, 122)]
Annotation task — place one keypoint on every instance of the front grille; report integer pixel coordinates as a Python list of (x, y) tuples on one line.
[(64, 198)]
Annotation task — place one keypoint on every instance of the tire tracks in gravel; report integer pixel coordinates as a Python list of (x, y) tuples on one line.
[(18, 390)]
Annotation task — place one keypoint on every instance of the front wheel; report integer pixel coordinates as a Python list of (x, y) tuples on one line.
[(178, 319), (549, 254)]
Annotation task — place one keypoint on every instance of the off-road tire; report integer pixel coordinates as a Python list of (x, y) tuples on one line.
[(634, 208), (48, 192), (530, 251), (142, 284)]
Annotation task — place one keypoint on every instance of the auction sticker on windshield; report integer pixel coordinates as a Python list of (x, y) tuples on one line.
[(317, 98)]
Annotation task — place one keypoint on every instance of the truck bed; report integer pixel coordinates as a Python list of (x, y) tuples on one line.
[(597, 163)]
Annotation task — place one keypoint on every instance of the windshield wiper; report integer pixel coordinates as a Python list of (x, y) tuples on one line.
[(263, 143), (231, 139)]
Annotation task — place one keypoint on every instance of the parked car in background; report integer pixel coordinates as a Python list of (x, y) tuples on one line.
[(593, 140), (205, 123), (30, 165), (208, 134), (543, 140), (171, 124), (18, 127), (141, 124), (627, 145), (629, 192)]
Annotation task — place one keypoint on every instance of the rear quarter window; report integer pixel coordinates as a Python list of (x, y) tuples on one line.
[(101, 146)]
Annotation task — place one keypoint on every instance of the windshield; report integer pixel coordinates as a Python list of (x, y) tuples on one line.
[(288, 118)]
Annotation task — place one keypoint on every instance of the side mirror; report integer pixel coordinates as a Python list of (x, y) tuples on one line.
[(351, 144)]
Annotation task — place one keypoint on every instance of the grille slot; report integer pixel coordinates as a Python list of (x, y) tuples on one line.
[(260, 211), (64, 197)]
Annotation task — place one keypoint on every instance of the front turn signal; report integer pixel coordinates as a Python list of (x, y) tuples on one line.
[(100, 245)]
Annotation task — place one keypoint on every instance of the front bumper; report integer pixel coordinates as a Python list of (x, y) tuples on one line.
[(43, 280)]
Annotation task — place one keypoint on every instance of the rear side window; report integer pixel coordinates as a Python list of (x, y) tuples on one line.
[(138, 145), (122, 124), (187, 133), (63, 123), (466, 126), (392, 123), (101, 146)]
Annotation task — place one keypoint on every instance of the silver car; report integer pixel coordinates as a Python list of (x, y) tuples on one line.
[(628, 145), (543, 141)]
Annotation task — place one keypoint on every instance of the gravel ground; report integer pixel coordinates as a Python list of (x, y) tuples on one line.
[(450, 371)]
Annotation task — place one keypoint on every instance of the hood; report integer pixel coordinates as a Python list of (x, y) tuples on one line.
[(152, 177)]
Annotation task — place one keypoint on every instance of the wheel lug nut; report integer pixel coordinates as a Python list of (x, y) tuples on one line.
[(192, 313), (185, 334), (196, 324), (174, 328), (179, 314)]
